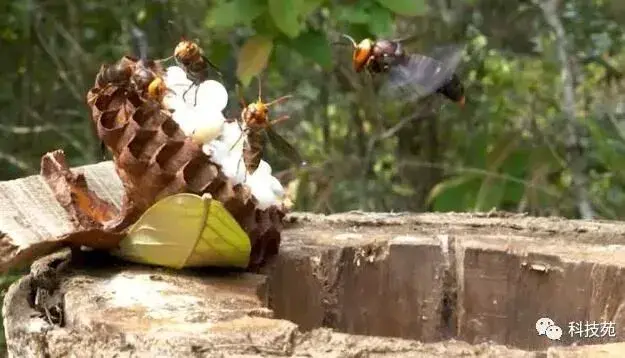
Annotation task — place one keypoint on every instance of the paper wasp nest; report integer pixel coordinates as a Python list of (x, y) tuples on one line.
[(155, 158)]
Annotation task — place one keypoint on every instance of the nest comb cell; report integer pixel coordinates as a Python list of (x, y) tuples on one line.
[(157, 163)]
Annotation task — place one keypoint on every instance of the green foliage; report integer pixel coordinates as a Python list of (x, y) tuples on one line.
[(507, 148), (315, 46), (285, 14), (405, 7), (227, 14), (380, 21)]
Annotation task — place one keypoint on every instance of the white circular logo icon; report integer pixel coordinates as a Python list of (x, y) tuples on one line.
[(554, 333), (542, 324)]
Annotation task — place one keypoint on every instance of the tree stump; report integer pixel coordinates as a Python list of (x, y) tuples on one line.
[(345, 285)]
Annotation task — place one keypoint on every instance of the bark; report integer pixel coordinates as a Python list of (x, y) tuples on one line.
[(575, 152)]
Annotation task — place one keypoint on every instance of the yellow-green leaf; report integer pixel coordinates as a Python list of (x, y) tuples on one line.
[(405, 7), (186, 230), (253, 57), (285, 14)]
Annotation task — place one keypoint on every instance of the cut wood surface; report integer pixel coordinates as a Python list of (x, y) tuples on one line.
[(462, 284), (34, 223)]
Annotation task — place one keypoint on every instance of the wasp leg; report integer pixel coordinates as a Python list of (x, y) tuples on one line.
[(197, 88), (244, 169), (185, 92)]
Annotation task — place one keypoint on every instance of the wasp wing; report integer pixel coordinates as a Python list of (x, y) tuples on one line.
[(283, 146), (418, 76), (213, 66)]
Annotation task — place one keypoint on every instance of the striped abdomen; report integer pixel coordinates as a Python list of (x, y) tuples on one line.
[(253, 149)]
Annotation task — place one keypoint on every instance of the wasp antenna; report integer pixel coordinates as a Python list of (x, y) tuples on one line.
[(351, 39), (278, 100)]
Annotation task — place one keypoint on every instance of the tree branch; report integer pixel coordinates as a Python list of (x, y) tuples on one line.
[(15, 161), (572, 140)]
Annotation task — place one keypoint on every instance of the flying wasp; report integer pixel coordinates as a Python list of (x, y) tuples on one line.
[(254, 121), (190, 56), (415, 74)]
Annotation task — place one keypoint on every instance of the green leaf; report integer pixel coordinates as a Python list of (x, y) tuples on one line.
[(475, 152), (220, 52), (234, 12), (315, 46), (405, 7), (285, 14), (265, 25), (454, 194), (309, 6), (492, 189), (355, 14), (380, 21), (491, 197), (253, 57)]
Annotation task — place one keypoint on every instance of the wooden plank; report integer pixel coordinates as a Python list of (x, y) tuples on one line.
[(32, 221)]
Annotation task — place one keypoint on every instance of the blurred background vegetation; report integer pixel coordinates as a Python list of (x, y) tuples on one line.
[(542, 131)]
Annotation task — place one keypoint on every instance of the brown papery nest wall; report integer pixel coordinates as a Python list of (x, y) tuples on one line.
[(154, 159)]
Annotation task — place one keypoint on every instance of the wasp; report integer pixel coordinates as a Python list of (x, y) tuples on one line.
[(254, 121), (157, 89), (421, 74), (117, 74), (142, 76), (190, 56)]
